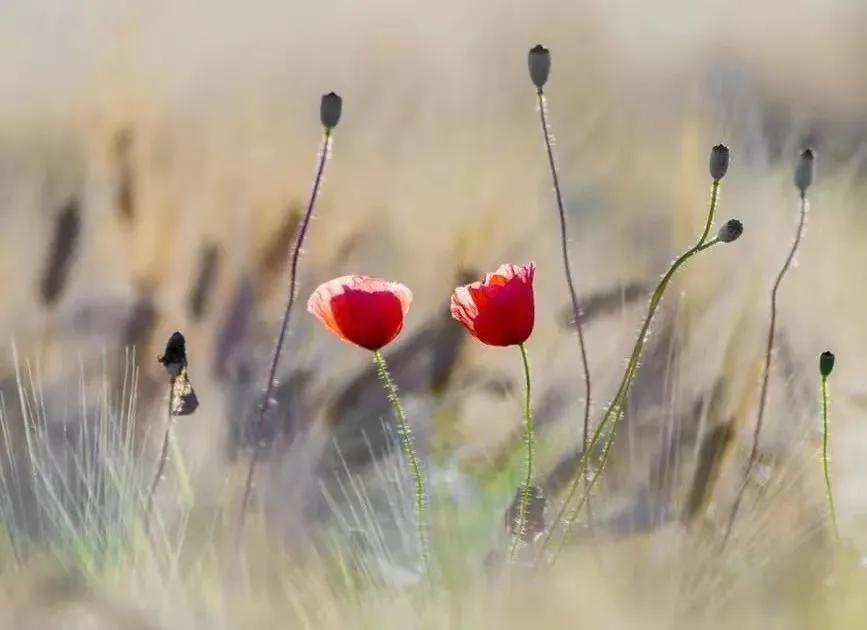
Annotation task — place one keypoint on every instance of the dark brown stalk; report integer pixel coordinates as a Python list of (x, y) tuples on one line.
[(284, 326), (769, 349), (567, 267), (164, 456)]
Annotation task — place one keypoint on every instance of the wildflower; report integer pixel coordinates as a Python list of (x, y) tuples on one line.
[(329, 110), (730, 231), (539, 62), (368, 312), (719, 162), (498, 311), (826, 363), (804, 170)]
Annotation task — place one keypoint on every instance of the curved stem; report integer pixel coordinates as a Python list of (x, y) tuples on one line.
[(530, 441), (405, 433), (284, 326), (614, 411), (567, 267), (826, 460), (164, 456), (769, 349)]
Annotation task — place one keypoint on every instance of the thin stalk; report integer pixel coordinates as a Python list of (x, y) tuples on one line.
[(567, 266), (826, 460), (614, 412), (164, 456), (769, 349), (284, 326), (530, 442), (405, 433)]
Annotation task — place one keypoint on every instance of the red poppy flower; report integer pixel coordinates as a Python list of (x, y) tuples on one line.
[(498, 311), (366, 311)]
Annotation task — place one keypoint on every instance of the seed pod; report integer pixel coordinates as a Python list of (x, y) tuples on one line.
[(719, 162), (804, 170), (539, 62), (329, 110), (826, 363), (730, 231)]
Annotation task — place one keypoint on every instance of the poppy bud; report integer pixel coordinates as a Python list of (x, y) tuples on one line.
[(719, 162), (826, 363), (539, 62), (329, 110), (730, 231), (804, 171)]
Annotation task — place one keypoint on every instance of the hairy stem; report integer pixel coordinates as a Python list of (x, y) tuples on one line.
[(405, 433), (826, 460), (530, 442), (567, 267), (769, 350), (284, 326), (164, 456), (614, 411)]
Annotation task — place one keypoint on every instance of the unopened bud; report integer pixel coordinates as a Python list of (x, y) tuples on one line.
[(329, 110), (719, 162), (804, 170), (730, 231), (826, 363), (539, 62)]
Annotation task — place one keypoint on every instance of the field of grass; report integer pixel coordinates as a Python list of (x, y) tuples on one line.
[(156, 164)]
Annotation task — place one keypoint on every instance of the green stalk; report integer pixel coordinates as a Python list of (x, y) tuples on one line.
[(530, 441), (405, 433), (826, 460), (615, 410)]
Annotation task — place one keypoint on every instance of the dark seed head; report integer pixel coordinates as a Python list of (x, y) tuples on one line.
[(539, 62), (730, 231), (174, 359), (804, 170), (330, 109), (719, 162), (826, 363)]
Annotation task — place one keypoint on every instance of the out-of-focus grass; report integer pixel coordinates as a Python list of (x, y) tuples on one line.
[(438, 167)]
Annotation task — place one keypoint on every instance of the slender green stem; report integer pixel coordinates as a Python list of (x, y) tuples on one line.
[(530, 442), (405, 433), (615, 410), (826, 460)]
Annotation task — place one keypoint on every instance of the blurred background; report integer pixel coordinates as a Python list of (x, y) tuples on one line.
[(155, 159)]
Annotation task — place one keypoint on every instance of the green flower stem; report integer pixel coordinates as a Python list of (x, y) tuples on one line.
[(405, 433), (530, 441), (615, 410), (826, 460)]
